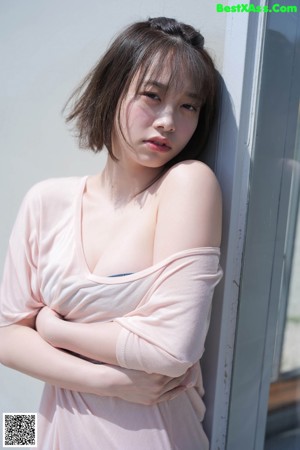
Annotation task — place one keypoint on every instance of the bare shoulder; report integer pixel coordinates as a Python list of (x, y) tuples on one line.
[(190, 209), (190, 175)]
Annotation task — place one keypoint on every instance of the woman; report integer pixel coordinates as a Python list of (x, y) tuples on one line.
[(109, 278)]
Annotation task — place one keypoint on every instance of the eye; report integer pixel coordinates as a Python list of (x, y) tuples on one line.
[(192, 108), (151, 95)]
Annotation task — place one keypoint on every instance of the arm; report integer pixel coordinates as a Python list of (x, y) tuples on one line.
[(192, 192), (96, 341), (21, 348), (190, 210), (167, 333)]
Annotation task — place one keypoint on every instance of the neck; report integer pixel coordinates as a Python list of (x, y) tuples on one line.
[(124, 183)]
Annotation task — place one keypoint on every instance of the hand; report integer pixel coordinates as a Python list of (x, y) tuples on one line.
[(143, 388), (46, 323)]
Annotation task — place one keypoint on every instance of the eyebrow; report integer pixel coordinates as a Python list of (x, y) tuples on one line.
[(164, 87)]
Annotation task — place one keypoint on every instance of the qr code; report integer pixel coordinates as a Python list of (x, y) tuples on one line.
[(19, 430)]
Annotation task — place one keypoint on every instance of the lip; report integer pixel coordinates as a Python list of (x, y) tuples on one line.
[(158, 143)]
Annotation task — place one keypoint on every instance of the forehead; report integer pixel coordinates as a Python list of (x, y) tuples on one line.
[(164, 81), (171, 72)]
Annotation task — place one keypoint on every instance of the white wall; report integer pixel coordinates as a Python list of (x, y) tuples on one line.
[(46, 47)]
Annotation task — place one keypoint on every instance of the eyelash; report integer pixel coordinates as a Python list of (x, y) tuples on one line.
[(191, 108), (154, 96), (151, 95)]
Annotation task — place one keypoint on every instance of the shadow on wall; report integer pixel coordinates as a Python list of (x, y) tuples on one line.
[(263, 253), (220, 155)]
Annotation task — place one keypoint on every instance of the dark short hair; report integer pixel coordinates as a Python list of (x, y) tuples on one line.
[(95, 102)]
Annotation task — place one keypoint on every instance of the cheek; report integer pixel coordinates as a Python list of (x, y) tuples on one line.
[(188, 128), (138, 115)]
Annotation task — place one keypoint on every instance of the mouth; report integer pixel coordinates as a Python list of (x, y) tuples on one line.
[(159, 144)]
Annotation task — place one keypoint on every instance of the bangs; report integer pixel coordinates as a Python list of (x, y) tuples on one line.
[(140, 54), (184, 63)]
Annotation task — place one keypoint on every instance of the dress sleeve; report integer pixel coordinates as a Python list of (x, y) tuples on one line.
[(166, 332), (19, 291)]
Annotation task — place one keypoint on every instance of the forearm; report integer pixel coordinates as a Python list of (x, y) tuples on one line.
[(93, 340), (99, 341), (24, 350), (104, 342)]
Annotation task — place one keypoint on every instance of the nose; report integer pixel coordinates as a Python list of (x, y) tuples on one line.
[(165, 120)]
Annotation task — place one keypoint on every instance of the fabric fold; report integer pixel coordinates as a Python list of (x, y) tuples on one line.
[(165, 333), (163, 310)]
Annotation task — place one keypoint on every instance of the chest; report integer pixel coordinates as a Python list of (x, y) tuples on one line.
[(118, 240)]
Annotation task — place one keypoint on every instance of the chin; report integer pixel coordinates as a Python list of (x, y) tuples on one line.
[(154, 163)]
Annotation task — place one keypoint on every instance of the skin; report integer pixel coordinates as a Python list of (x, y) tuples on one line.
[(126, 229)]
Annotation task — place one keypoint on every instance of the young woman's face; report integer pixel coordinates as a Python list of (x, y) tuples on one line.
[(157, 121)]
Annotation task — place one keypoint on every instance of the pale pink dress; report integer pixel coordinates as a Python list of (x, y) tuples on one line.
[(164, 311)]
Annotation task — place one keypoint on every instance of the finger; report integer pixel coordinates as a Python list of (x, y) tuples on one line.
[(173, 384), (170, 395)]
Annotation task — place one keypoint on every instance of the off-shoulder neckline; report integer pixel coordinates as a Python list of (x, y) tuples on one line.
[(106, 279)]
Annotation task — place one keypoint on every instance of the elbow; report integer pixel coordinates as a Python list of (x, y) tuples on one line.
[(135, 353), (154, 361), (4, 346), (169, 363), (5, 362), (10, 339), (169, 366)]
